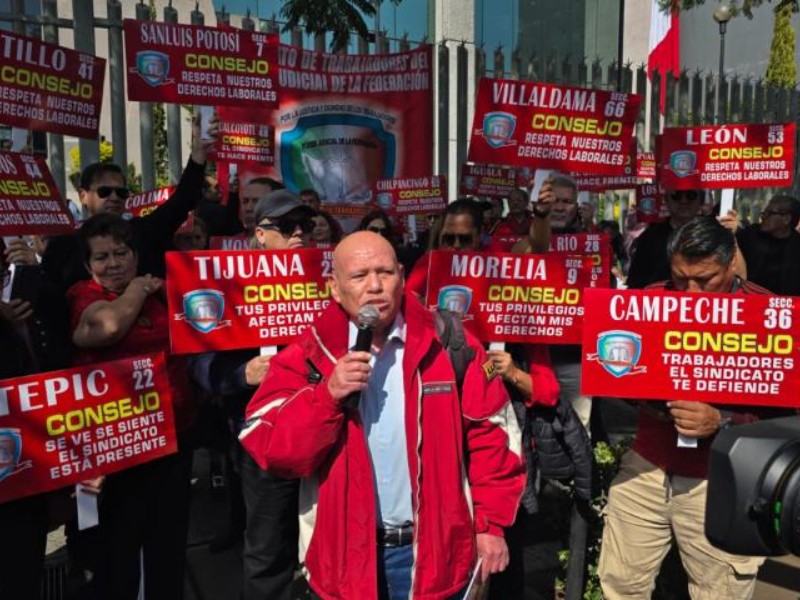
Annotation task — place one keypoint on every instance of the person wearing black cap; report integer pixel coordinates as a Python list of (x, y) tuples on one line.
[(270, 503)]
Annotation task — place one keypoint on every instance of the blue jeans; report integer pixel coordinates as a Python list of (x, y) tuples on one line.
[(394, 573)]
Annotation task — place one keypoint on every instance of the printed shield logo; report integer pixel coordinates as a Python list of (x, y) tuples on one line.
[(619, 351), (10, 452), (647, 206), (153, 67), (683, 163), (384, 201), (498, 127), (469, 182), (203, 309), (455, 298)]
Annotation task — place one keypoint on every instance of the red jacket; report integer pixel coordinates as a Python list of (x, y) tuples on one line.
[(296, 429)]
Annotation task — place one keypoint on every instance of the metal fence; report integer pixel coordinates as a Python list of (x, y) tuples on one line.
[(689, 98)]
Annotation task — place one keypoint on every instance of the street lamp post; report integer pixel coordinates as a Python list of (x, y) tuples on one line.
[(721, 15)]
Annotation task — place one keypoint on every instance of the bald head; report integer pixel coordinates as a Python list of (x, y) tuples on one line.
[(365, 271)]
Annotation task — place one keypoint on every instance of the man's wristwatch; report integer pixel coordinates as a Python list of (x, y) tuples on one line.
[(725, 419)]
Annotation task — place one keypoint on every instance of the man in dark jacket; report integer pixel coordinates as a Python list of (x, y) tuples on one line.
[(772, 248), (103, 189)]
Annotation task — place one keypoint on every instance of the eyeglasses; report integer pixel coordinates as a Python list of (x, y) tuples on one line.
[(104, 191), (448, 240), (768, 213), (287, 226), (379, 230)]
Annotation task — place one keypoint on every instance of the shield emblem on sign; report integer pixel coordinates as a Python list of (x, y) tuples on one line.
[(469, 182), (683, 162), (152, 66), (455, 298), (498, 127), (648, 206), (203, 309), (10, 451), (619, 351)]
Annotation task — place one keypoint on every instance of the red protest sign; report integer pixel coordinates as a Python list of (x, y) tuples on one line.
[(727, 348), (727, 156), (527, 298), (401, 198), (190, 64), (30, 202), (244, 299), (49, 88), (62, 427), (597, 246), (242, 138), (651, 203), (521, 123), (646, 165), (628, 179), (143, 203), (229, 242), (487, 180)]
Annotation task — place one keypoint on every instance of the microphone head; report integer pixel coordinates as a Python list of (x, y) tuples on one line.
[(368, 316)]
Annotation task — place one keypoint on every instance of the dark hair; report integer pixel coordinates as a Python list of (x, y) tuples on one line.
[(104, 225), (561, 180), (791, 205), (383, 216), (274, 184), (461, 206), (703, 237), (333, 224), (96, 170), (309, 192)]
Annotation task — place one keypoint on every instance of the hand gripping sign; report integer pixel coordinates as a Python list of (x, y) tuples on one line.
[(30, 202), (190, 64), (727, 156), (726, 348), (49, 88), (526, 123), (59, 428), (223, 300), (527, 298)]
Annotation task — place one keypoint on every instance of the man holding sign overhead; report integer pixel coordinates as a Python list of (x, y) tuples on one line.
[(660, 491), (390, 455)]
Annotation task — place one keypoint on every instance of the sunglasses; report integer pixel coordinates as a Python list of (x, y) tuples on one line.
[(287, 226), (768, 213), (378, 230), (690, 196), (104, 191), (448, 240)]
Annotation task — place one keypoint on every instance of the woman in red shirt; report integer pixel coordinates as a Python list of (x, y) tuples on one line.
[(118, 314)]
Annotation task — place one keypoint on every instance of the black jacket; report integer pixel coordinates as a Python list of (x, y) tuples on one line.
[(555, 442), (649, 261), (756, 248)]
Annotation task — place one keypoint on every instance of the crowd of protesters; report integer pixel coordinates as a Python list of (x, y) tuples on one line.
[(348, 495)]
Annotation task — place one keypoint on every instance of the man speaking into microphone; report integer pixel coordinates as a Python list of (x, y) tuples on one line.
[(405, 485)]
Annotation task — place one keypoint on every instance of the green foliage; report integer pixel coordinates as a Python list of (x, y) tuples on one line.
[(338, 17), (160, 150), (106, 155), (782, 70), (744, 6)]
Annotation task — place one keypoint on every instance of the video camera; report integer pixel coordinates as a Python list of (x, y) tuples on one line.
[(753, 502)]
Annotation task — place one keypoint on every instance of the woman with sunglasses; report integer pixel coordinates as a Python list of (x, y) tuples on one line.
[(326, 229), (114, 315), (379, 222)]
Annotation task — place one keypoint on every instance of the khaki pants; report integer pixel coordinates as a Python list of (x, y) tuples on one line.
[(645, 509)]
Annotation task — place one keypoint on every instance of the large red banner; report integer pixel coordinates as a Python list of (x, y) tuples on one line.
[(726, 348), (526, 298), (190, 64), (62, 427), (524, 123), (143, 203), (49, 88), (727, 156), (222, 300), (487, 180), (30, 202)]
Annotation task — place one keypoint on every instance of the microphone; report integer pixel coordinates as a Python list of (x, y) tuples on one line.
[(368, 316)]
